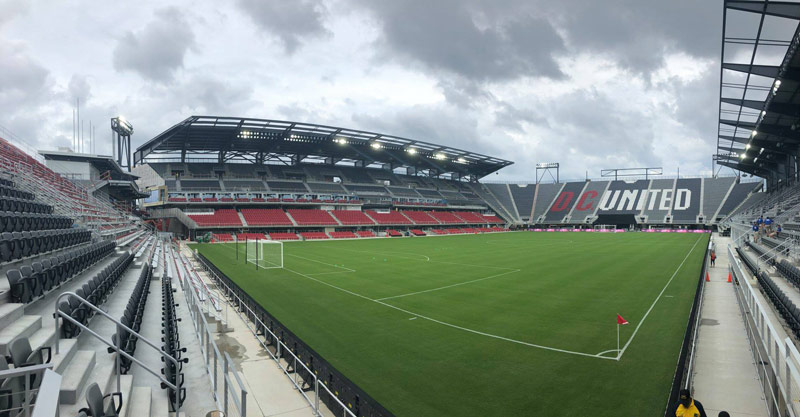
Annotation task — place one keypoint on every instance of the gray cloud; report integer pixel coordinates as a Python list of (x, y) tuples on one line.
[(158, 50), (292, 22), (456, 37)]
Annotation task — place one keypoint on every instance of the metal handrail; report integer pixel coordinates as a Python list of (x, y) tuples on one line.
[(277, 355), (203, 332), (120, 326)]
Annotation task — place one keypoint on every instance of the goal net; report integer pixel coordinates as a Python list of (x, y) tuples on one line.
[(265, 253)]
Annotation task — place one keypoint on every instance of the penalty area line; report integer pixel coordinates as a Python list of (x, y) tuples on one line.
[(444, 323)]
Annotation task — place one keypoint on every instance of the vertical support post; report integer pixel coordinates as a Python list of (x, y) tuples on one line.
[(225, 382), (118, 361), (316, 395)]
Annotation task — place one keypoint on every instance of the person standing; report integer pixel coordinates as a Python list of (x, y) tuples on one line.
[(687, 406), (713, 258)]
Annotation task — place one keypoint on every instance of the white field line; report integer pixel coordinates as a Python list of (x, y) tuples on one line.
[(607, 351), (621, 352), (494, 336), (428, 259), (449, 286), (324, 263)]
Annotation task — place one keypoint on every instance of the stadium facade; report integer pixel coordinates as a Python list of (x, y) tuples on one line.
[(234, 175)]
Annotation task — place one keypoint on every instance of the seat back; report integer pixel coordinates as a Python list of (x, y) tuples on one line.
[(20, 350)]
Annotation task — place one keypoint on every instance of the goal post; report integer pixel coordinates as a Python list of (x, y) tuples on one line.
[(265, 253)]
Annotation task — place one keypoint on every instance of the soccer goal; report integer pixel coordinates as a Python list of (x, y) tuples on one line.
[(265, 253)]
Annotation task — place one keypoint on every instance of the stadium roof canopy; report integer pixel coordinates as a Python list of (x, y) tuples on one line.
[(759, 109), (261, 141)]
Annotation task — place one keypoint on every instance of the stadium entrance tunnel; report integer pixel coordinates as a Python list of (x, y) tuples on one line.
[(622, 221)]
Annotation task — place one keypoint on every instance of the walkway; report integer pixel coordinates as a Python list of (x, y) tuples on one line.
[(725, 375)]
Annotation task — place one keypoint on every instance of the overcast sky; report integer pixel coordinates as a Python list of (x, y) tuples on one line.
[(590, 84)]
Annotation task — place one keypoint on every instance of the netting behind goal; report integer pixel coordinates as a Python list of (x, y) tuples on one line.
[(265, 253)]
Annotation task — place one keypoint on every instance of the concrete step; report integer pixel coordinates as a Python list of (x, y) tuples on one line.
[(75, 376), (126, 387), (140, 402), (45, 336), (100, 375), (10, 312), (22, 327), (66, 351), (160, 403)]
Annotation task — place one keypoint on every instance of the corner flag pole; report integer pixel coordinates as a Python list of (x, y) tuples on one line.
[(620, 321), (236, 245)]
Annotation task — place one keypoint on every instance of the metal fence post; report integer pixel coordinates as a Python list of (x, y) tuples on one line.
[(225, 381)]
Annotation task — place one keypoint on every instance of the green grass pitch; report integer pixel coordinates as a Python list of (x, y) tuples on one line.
[(493, 324)]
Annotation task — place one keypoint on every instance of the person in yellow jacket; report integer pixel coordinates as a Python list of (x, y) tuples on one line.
[(687, 406)]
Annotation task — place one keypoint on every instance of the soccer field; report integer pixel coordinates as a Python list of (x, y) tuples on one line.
[(495, 324)]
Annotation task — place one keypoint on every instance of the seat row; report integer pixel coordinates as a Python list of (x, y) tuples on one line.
[(787, 309), (791, 272), (172, 345), (11, 221), (18, 245), (24, 206), (96, 291), (9, 191), (30, 282), (758, 249), (132, 317)]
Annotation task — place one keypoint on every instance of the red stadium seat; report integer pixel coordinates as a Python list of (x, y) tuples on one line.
[(266, 217), (445, 217), (366, 233), (352, 217), (223, 217), (343, 235), (417, 232), (313, 235), (222, 237), (312, 217), (392, 217), (393, 233), (283, 236), (420, 217)]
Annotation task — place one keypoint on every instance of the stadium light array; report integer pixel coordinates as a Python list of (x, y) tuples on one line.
[(743, 155), (375, 145), (439, 156), (747, 146), (341, 141), (763, 113), (755, 160), (411, 151), (461, 160), (754, 133)]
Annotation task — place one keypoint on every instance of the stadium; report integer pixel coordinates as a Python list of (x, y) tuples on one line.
[(242, 266)]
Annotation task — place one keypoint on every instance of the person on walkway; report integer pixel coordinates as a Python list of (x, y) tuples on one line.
[(687, 406), (755, 232), (768, 224), (713, 258)]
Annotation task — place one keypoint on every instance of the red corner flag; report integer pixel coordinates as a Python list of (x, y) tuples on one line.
[(620, 320)]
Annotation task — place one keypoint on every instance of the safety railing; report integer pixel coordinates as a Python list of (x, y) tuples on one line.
[(23, 403), (776, 358), (47, 401), (120, 328), (286, 360), (214, 362)]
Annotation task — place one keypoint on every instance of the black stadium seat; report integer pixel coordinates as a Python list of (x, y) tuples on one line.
[(32, 281), (96, 291)]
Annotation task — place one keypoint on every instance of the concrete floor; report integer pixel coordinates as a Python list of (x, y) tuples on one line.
[(724, 374), (270, 392)]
